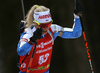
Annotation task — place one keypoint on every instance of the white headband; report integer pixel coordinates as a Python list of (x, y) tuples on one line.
[(42, 17)]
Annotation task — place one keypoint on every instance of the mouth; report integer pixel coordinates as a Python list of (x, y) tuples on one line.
[(44, 32)]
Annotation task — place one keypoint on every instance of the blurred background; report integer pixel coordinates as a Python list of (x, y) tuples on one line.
[(69, 55)]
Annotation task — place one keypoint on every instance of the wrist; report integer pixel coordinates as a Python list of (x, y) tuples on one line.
[(79, 14), (30, 42), (76, 16)]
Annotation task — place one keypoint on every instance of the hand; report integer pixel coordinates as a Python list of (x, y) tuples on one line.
[(22, 23), (36, 35), (78, 9)]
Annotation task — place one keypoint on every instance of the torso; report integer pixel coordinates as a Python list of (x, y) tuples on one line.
[(42, 55)]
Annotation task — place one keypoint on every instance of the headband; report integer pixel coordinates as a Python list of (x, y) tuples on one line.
[(42, 17)]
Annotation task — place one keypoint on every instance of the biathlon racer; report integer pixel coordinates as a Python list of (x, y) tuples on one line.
[(40, 29)]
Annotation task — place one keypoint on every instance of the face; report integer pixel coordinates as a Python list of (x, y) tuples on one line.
[(45, 27)]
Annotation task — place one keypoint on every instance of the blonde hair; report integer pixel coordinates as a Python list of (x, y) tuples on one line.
[(29, 19)]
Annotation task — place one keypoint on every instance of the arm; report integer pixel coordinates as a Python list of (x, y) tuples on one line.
[(68, 33), (24, 46), (76, 29), (28, 39), (73, 32)]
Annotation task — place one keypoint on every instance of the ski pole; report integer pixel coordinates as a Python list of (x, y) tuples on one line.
[(85, 40), (31, 59), (23, 23), (86, 45), (23, 10)]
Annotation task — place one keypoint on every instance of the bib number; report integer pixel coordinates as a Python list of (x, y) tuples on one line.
[(43, 58)]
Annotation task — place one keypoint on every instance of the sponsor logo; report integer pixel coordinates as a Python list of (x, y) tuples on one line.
[(41, 51), (41, 45), (23, 65), (44, 16), (47, 20), (40, 68)]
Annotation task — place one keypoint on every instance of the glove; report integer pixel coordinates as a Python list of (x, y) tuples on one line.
[(36, 35), (22, 26), (78, 8)]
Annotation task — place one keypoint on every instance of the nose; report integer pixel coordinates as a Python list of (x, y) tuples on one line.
[(45, 28)]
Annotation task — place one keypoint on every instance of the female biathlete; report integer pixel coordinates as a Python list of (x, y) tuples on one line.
[(39, 29)]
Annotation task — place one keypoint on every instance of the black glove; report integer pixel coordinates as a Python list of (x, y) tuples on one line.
[(22, 26), (36, 35), (78, 8)]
